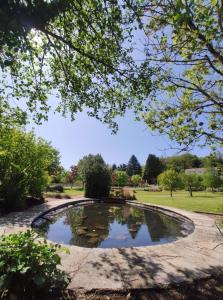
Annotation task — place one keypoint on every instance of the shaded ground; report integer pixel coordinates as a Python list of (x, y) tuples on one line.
[(206, 289)]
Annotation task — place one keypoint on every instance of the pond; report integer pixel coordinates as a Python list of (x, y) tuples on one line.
[(107, 225)]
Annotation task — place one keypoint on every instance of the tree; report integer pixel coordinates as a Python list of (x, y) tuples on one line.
[(136, 179), (169, 180), (72, 175), (182, 162), (86, 163), (211, 179), (114, 167), (152, 169), (55, 161), (122, 167), (77, 50), (97, 177), (184, 38), (214, 160), (121, 178), (24, 164), (59, 176), (191, 182), (133, 166)]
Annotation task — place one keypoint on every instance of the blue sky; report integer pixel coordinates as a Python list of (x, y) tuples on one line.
[(86, 135)]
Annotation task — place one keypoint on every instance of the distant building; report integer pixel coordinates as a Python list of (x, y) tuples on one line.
[(196, 171)]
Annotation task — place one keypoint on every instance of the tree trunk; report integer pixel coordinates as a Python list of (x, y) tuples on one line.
[(171, 193), (191, 194)]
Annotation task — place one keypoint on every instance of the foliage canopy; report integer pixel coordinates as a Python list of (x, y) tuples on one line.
[(133, 166), (79, 51), (185, 39), (169, 180)]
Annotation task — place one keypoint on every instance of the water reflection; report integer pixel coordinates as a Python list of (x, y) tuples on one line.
[(107, 225)]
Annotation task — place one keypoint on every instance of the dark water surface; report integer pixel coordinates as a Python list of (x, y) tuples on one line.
[(104, 225)]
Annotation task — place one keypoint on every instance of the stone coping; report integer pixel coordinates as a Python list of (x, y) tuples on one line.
[(198, 255)]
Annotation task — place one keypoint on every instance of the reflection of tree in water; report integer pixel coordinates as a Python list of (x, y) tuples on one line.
[(161, 226), (134, 219), (129, 215), (89, 224)]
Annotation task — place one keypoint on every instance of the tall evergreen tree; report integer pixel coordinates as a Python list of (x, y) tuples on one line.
[(114, 167), (133, 166), (122, 167), (153, 168)]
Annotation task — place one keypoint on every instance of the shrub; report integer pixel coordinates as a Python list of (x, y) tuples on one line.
[(97, 179), (128, 194), (24, 160), (56, 188), (136, 180), (121, 178), (28, 267)]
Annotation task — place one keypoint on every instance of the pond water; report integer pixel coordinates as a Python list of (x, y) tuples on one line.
[(104, 225)]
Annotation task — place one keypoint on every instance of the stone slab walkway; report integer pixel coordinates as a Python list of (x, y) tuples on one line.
[(199, 255)]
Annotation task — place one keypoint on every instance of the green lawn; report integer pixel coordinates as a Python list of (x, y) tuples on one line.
[(67, 192), (201, 201), (74, 192)]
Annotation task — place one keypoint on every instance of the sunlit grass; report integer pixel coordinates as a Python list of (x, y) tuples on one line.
[(201, 201)]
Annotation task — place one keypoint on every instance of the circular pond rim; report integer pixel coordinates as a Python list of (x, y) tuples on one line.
[(188, 224)]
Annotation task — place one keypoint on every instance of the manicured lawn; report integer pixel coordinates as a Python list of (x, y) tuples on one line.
[(76, 191), (201, 201)]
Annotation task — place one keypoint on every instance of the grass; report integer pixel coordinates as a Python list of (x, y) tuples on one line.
[(76, 191), (201, 201)]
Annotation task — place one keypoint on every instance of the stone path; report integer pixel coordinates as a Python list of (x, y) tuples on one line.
[(198, 255)]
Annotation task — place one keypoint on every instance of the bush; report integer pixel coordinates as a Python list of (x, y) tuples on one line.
[(123, 193), (121, 178), (136, 180), (24, 160), (98, 182), (28, 267), (56, 188)]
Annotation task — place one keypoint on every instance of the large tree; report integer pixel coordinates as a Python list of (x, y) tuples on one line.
[(79, 51), (133, 166), (185, 38), (152, 169), (86, 164), (182, 162)]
